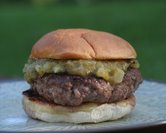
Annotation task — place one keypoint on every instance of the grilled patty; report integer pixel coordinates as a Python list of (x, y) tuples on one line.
[(72, 90)]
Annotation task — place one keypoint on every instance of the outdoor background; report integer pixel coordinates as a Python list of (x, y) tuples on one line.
[(141, 22)]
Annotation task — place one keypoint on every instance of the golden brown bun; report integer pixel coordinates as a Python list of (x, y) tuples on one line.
[(37, 108), (82, 44)]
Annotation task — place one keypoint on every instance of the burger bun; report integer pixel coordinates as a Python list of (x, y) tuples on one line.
[(85, 113)]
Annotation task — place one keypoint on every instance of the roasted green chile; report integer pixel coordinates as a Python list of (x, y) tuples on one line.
[(112, 71)]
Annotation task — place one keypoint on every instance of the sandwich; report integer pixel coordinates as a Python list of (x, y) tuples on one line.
[(81, 76)]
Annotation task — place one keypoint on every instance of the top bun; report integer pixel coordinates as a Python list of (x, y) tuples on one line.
[(82, 44)]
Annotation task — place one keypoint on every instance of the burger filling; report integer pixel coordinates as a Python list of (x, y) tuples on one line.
[(111, 71), (73, 82), (74, 90)]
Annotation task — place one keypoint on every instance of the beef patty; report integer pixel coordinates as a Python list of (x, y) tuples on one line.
[(72, 90)]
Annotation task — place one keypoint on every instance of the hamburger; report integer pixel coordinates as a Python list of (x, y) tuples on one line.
[(81, 76)]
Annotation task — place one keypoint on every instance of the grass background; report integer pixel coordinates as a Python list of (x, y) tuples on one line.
[(142, 23)]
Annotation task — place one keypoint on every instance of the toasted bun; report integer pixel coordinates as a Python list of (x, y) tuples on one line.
[(82, 44), (86, 113)]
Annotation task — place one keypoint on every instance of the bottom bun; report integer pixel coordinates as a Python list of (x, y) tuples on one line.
[(86, 113)]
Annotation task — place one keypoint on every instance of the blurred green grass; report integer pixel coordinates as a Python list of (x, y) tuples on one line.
[(142, 23)]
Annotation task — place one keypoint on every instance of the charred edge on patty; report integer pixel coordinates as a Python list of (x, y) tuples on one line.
[(72, 90)]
